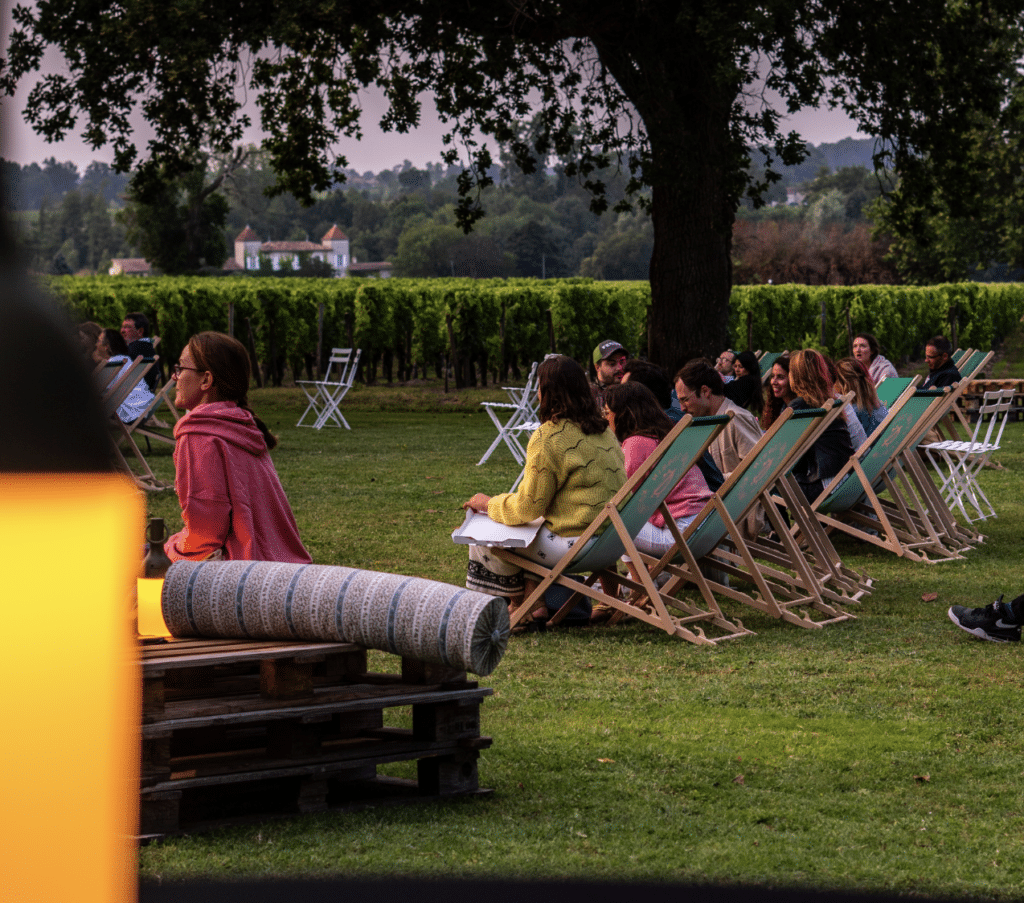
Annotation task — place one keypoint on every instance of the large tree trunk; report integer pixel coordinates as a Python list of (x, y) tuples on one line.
[(689, 291)]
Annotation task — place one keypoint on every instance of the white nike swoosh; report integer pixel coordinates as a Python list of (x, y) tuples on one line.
[(1004, 625)]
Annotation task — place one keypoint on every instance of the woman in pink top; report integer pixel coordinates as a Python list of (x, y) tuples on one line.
[(639, 423), (231, 498)]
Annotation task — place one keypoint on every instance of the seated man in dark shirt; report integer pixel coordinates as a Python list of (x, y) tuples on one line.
[(134, 329), (942, 371)]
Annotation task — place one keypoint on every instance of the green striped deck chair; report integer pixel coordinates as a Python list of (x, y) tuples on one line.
[(892, 387), (765, 362), (610, 536), (907, 523), (785, 582)]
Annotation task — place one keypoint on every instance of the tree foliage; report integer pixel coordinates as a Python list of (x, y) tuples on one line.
[(673, 91)]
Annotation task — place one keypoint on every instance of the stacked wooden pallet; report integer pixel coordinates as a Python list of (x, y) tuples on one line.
[(233, 730)]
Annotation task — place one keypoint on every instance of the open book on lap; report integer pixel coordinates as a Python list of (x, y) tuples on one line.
[(479, 530)]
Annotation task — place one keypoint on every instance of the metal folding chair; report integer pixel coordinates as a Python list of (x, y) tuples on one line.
[(959, 463), (521, 417), (325, 395)]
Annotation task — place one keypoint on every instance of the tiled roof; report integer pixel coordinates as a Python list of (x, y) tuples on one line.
[(231, 264), (335, 234), (269, 247), (247, 235), (369, 267), (130, 264)]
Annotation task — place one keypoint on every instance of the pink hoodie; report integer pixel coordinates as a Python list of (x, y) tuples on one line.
[(229, 491)]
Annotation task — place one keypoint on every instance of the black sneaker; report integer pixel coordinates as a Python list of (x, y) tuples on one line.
[(994, 622)]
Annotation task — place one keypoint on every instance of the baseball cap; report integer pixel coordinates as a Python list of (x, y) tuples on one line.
[(606, 349)]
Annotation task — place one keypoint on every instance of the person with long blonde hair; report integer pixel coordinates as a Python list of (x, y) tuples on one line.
[(853, 376)]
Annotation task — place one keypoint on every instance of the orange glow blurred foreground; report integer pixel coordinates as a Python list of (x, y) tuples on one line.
[(70, 688)]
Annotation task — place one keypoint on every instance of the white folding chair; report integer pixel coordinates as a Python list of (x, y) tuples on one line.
[(958, 463), (522, 417), (325, 395)]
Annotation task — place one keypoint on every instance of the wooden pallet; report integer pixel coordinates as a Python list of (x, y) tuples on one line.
[(235, 730)]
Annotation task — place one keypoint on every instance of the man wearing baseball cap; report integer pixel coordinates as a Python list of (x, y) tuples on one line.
[(609, 359)]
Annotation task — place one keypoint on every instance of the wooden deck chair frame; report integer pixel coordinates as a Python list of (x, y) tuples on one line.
[(325, 395), (610, 535), (906, 523), (117, 391), (520, 414), (959, 463), (161, 396), (786, 585)]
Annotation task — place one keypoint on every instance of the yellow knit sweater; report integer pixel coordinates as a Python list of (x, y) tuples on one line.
[(569, 478)]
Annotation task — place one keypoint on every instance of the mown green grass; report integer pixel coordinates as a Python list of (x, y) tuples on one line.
[(882, 754)]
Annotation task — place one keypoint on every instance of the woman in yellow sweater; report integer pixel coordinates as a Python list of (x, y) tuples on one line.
[(573, 467)]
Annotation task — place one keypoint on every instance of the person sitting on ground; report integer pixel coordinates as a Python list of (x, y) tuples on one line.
[(639, 423), (573, 467), (779, 393), (867, 351), (232, 501), (999, 622), (112, 348), (724, 365), (609, 359), (652, 376), (809, 379), (853, 377), (135, 332), (701, 393), (942, 371), (747, 390)]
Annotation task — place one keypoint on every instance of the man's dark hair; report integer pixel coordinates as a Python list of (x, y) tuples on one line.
[(652, 376), (941, 344), (140, 320), (700, 372)]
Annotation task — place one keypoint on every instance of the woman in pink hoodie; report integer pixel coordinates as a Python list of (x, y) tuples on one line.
[(231, 499)]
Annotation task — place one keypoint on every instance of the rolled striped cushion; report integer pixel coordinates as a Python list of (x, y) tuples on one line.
[(408, 616)]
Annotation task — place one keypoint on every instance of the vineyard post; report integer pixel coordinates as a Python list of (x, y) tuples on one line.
[(319, 339), (252, 354), (453, 354)]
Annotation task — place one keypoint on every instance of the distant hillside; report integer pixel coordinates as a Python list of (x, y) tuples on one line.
[(848, 152)]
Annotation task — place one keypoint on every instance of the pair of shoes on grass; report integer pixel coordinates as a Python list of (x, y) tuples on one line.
[(999, 622)]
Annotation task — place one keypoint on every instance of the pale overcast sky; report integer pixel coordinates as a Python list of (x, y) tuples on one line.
[(377, 150)]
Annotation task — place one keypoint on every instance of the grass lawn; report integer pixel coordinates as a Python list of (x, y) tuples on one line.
[(884, 754)]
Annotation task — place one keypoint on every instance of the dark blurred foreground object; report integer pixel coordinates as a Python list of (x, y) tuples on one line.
[(50, 414)]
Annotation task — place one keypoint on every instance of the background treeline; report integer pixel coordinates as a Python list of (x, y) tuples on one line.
[(537, 225), (485, 330), (830, 220)]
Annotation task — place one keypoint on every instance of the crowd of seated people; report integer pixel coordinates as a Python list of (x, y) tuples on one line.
[(639, 404)]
